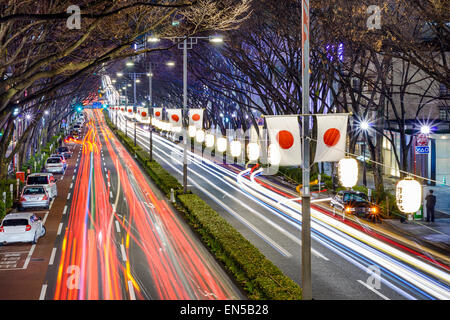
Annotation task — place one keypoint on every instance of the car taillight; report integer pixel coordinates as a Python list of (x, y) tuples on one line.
[(1, 229), (23, 199), (44, 197), (28, 227)]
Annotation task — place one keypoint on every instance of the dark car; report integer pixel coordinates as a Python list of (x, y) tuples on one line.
[(65, 151), (354, 202)]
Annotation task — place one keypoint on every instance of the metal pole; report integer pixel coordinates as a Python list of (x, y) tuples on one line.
[(185, 135), (134, 78), (306, 195), (364, 160), (150, 106)]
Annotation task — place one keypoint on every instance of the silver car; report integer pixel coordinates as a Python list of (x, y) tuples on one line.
[(54, 165), (45, 179), (34, 197), (21, 227)]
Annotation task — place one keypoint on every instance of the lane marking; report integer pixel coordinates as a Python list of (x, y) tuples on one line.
[(124, 255), (43, 292), (59, 229), (131, 289), (117, 226), (52, 257), (68, 196), (373, 290), (110, 194), (71, 185), (27, 261), (65, 210), (51, 203), (45, 218)]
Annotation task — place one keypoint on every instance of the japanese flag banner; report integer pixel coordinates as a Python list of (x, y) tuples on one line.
[(196, 118), (175, 117), (157, 113), (284, 132), (331, 136)]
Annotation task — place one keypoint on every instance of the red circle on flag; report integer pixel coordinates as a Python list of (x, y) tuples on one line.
[(285, 139), (129, 110), (157, 113), (331, 137), (175, 118), (196, 117), (144, 114)]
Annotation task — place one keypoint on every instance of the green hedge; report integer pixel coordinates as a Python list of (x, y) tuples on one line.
[(259, 277)]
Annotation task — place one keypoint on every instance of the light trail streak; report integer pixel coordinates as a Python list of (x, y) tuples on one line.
[(159, 259), (403, 272)]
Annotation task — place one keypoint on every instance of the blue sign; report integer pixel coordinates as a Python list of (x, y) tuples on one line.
[(423, 150)]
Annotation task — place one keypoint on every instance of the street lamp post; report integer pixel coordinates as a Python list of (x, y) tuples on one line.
[(187, 43), (306, 195)]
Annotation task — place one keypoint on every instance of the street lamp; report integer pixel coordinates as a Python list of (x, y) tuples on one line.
[(364, 126), (425, 129), (188, 43)]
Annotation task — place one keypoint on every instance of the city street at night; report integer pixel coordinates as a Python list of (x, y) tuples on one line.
[(225, 159)]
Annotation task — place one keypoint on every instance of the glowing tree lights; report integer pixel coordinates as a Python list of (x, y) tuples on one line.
[(348, 172), (409, 195)]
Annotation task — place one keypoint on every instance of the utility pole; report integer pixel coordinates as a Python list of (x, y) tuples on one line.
[(306, 195), (150, 107), (185, 115)]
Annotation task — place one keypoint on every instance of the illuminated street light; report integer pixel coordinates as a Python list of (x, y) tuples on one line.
[(170, 63), (129, 63), (119, 74), (153, 39), (216, 39), (425, 129)]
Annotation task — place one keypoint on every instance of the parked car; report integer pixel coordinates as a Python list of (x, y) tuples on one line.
[(65, 151), (44, 179), (21, 227), (77, 128), (57, 155), (54, 165), (353, 202), (34, 197)]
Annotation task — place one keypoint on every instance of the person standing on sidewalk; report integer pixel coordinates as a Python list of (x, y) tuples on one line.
[(431, 202)]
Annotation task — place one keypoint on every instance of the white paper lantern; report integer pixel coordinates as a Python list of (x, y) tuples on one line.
[(253, 151), (274, 155), (348, 172), (209, 140), (191, 131), (177, 129), (200, 136), (409, 195), (221, 144), (236, 148)]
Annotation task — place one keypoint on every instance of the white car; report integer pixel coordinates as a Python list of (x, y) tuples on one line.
[(21, 227), (44, 179), (54, 165)]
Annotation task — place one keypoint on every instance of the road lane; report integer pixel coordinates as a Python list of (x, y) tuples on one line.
[(132, 245)]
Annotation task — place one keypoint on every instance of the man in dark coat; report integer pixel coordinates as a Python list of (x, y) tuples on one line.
[(431, 202)]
